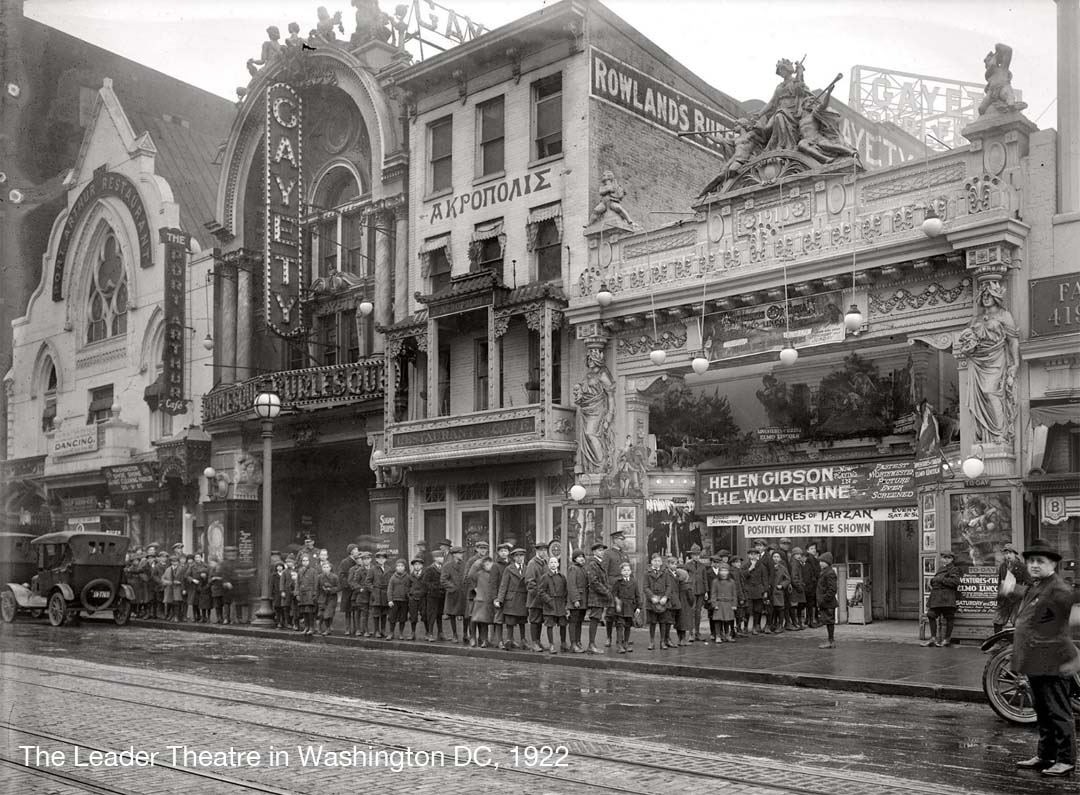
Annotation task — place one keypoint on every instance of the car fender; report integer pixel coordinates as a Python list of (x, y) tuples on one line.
[(65, 589), (1005, 635), (24, 597), (127, 592)]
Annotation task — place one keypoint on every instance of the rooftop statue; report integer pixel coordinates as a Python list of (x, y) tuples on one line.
[(324, 29), (1000, 96), (796, 124), (611, 196), (372, 24), (271, 50)]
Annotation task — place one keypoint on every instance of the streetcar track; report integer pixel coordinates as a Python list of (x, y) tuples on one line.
[(847, 777), (67, 778)]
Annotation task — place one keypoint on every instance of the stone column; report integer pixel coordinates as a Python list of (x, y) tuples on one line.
[(384, 266), (225, 349), (1068, 106), (245, 310), (401, 263)]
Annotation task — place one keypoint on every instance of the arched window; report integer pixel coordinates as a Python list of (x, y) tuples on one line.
[(48, 413), (107, 305), (340, 241)]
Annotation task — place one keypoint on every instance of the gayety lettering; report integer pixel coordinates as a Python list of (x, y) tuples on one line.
[(504, 191)]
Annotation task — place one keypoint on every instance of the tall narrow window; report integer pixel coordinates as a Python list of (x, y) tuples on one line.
[(480, 401), (547, 116), (350, 336), (108, 293), (48, 414), (328, 339), (441, 154), (491, 137), (444, 380), (440, 270), (486, 248), (101, 400), (548, 251), (556, 367)]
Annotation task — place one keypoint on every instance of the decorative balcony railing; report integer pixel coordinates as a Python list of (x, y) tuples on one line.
[(526, 429), (310, 387)]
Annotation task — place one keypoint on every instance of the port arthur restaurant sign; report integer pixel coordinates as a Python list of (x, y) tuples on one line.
[(828, 486)]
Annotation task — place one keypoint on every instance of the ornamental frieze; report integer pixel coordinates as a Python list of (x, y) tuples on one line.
[(668, 338), (902, 301)]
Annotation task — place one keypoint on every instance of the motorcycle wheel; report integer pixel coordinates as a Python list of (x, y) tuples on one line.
[(1007, 692)]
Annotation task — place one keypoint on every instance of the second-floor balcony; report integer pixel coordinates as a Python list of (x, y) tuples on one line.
[(533, 432), (306, 389)]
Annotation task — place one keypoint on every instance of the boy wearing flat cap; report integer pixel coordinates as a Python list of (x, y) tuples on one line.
[(534, 571), (512, 598), (1043, 650), (599, 599), (614, 558)]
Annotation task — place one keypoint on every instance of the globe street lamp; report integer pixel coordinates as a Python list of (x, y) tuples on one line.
[(267, 407)]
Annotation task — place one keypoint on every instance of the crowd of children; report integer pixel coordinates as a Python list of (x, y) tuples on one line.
[(777, 588)]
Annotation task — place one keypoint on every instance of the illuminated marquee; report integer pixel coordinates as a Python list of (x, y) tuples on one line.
[(284, 205)]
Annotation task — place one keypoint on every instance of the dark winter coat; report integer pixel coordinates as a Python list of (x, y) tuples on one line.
[(397, 588), (826, 591), (707, 577), (360, 585), (512, 592), (599, 585), (278, 589), (613, 561), (724, 597), (343, 568), (659, 595), (432, 579), (328, 584), (486, 589), (378, 579), (798, 587), (781, 584), (686, 602), (172, 584), (944, 587), (551, 594), (306, 587), (696, 570), (453, 585), (1042, 644), (195, 581), (577, 587), (534, 571), (417, 589), (1019, 572), (625, 596), (757, 581)]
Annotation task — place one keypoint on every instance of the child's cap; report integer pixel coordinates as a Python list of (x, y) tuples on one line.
[(400, 561), (682, 575), (417, 560)]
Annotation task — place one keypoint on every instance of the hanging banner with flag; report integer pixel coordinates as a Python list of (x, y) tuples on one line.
[(928, 457), (172, 400)]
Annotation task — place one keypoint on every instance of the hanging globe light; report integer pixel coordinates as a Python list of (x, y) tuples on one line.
[(604, 297), (932, 223), (788, 354), (974, 465), (658, 356), (853, 318), (366, 308), (208, 343), (577, 492), (699, 365)]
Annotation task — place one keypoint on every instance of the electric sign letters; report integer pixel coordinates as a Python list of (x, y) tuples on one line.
[(283, 261)]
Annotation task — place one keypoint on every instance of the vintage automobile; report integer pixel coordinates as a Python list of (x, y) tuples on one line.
[(76, 572), (1008, 693)]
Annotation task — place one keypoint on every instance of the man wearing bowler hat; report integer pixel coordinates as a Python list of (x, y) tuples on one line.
[(1007, 603), (1044, 652)]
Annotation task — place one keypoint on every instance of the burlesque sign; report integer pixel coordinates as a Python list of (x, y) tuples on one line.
[(172, 373), (803, 321), (104, 183), (284, 206), (837, 485), (641, 95)]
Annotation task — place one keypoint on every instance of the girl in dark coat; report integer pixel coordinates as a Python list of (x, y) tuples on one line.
[(624, 592), (944, 590), (306, 589), (781, 584), (485, 589), (577, 594), (551, 591), (827, 598), (397, 599), (724, 599), (658, 596)]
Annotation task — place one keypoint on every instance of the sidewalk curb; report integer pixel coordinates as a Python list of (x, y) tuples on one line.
[(879, 687)]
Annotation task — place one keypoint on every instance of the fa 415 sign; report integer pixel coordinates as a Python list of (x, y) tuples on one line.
[(1055, 305)]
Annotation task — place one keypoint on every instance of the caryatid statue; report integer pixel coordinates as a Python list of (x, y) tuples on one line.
[(991, 344), (595, 399)]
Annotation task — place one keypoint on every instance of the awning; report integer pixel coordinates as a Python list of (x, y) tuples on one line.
[(152, 394), (545, 213), (487, 230), (101, 404), (1055, 411), (435, 243)]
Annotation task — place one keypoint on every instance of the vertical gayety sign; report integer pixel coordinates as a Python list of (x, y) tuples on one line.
[(284, 202), (172, 399)]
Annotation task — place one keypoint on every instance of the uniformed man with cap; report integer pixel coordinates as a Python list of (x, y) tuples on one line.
[(614, 558), (533, 572), (941, 604), (1009, 602), (352, 556)]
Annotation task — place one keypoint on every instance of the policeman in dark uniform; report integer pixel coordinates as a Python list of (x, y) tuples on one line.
[(614, 558)]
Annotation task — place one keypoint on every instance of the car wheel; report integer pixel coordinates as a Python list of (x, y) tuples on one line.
[(122, 612), (9, 607), (57, 609), (1008, 693)]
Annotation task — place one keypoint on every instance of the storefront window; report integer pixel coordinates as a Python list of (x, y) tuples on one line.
[(516, 524), (979, 525), (671, 528), (585, 527), (1065, 538)]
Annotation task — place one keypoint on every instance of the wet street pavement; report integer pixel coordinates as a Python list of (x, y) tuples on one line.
[(774, 730)]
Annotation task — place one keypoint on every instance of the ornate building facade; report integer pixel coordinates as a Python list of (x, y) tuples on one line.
[(108, 361)]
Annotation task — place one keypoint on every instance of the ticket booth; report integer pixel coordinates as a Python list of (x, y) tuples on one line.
[(857, 594)]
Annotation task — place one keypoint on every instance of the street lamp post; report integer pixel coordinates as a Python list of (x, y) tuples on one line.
[(267, 407)]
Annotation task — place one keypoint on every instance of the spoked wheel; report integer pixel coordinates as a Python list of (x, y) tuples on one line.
[(1008, 693), (58, 611), (122, 612), (8, 606)]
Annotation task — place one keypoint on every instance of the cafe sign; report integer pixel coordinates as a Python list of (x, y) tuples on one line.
[(172, 399), (73, 441), (860, 485), (131, 478), (1055, 305)]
